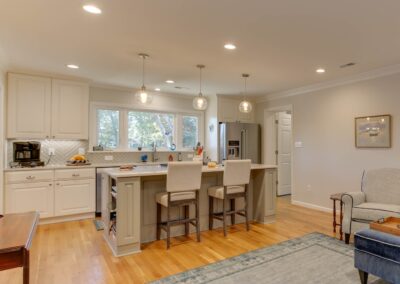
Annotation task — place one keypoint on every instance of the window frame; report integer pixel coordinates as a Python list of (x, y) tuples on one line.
[(123, 124)]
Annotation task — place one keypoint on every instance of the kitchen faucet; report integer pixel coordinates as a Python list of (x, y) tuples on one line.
[(155, 154)]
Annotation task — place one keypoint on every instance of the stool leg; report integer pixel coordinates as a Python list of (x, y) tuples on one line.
[(246, 208), (168, 228), (233, 208), (363, 276), (197, 217), (210, 212), (186, 208), (341, 221), (158, 221), (334, 216), (224, 215)]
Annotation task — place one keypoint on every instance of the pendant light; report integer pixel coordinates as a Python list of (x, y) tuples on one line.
[(142, 96), (245, 106), (200, 102)]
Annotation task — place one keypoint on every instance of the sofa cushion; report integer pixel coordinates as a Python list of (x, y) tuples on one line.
[(374, 211), (378, 243)]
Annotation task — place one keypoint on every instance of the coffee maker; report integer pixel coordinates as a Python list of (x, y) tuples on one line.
[(27, 154)]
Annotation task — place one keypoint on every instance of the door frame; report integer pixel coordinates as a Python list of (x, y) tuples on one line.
[(269, 139)]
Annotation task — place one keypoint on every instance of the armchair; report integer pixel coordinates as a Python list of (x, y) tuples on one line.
[(379, 198)]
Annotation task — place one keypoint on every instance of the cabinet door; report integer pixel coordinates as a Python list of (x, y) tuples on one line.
[(30, 197), (128, 211), (29, 106), (228, 110), (70, 110), (74, 197)]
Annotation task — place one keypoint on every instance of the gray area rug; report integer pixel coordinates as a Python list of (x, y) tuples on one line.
[(314, 258)]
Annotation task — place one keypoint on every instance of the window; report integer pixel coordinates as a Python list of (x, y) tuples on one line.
[(190, 131), (123, 128), (145, 128), (108, 128)]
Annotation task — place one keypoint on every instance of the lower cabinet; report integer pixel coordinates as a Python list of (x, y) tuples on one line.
[(73, 197), (25, 197)]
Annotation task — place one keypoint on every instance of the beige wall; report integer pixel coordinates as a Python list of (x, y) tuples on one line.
[(324, 121), (2, 130), (211, 128)]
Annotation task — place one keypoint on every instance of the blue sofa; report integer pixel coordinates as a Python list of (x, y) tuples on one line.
[(377, 253)]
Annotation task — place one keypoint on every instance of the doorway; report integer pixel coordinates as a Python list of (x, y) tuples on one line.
[(278, 146)]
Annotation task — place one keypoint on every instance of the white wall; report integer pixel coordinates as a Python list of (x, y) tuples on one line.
[(324, 121), (211, 128), (2, 131)]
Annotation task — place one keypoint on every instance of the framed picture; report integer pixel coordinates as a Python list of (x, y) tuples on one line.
[(373, 131)]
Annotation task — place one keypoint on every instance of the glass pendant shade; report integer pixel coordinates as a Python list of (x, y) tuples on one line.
[(200, 102), (245, 106), (143, 97)]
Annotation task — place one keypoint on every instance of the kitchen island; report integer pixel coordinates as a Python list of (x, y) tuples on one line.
[(129, 207)]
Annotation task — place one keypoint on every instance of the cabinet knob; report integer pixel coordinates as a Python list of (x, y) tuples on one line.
[(30, 177), (57, 183), (75, 175), (54, 136), (50, 184)]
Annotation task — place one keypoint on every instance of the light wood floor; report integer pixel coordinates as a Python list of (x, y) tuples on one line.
[(75, 252)]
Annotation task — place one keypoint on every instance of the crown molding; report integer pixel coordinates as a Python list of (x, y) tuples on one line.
[(376, 73)]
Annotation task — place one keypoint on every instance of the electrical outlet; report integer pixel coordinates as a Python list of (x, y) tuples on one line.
[(81, 151), (109, 158), (52, 151)]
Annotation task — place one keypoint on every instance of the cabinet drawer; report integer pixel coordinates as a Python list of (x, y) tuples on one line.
[(74, 174), (28, 176)]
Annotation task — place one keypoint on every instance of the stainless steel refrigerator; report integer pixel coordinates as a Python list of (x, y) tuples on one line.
[(239, 141)]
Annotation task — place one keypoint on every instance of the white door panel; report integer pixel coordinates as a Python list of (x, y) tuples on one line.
[(284, 137)]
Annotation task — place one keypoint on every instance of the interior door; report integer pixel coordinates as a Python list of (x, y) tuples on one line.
[(284, 153)]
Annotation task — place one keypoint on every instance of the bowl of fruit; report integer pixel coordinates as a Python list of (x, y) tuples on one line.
[(78, 160)]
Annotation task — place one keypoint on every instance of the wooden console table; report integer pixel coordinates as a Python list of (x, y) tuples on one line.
[(16, 234), (337, 197)]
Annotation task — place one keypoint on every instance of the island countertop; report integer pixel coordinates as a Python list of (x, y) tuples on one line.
[(156, 170)]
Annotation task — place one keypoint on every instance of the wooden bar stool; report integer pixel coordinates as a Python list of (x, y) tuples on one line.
[(235, 185), (183, 185)]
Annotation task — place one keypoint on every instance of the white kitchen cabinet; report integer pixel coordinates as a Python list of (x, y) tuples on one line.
[(228, 111), (26, 197), (70, 110), (29, 106), (41, 107), (74, 197)]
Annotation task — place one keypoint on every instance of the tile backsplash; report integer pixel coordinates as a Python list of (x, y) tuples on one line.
[(65, 149)]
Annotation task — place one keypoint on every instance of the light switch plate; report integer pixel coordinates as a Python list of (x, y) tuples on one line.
[(81, 151), (109, 158), (298, 144)]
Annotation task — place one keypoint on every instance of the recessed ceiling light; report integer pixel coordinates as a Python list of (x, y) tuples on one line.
[(230, 46), (92, 9), (170, 81), (73, 66), (320, 70), (157, 89)]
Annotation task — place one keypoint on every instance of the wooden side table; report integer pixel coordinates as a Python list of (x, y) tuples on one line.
[(337, 197), (16, 234)]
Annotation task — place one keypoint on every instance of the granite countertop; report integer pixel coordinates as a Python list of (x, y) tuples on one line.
[(154, 170), (96, 165)]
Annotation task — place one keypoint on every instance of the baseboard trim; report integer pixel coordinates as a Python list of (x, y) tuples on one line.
[(312, 206), (61, 219)]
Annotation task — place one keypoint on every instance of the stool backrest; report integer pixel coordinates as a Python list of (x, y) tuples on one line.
[(184, 176), (237, 172)]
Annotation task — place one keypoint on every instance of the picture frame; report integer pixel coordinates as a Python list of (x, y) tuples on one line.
[(373, 131)]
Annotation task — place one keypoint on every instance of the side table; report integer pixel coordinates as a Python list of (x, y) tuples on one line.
[(337, 197)]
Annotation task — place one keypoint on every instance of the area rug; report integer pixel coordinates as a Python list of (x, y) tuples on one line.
[(314, 258)]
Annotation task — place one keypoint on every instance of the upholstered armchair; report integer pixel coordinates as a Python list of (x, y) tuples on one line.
[(379, 198)]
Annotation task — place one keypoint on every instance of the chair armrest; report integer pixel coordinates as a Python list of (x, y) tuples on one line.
[(350, 199)]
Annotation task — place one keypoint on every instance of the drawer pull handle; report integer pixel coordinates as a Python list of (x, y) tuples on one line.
[(75, 175), (30, 177)]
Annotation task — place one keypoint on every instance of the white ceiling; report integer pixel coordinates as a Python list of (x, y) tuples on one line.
[(280, 42)]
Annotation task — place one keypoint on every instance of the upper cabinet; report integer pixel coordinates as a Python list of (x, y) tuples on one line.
[(43, 108), (29, 106), (70, 110), (228, 111)]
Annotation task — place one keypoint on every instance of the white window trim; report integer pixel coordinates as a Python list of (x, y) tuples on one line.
[(123, 135)]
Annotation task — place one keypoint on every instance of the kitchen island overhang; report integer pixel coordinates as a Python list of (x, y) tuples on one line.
[(129, 206)]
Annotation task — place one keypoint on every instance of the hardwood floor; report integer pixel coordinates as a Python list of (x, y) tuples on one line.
[(75, 252)]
